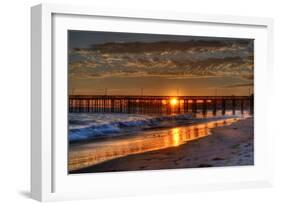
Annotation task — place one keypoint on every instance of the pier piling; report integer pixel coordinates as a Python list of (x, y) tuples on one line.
[(214, 107), (158, 104), (233, 106), (242, 106), (194, 106), (223, 104)]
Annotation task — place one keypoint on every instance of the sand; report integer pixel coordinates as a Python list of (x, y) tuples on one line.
[(231, 145)]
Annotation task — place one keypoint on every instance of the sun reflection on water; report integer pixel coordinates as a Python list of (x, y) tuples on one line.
[(175, 137), (84, 155)]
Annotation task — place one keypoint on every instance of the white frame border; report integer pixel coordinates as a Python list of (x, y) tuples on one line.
[(42, 85)]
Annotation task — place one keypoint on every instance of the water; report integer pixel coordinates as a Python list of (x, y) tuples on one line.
[(86, 154), (92, 126)]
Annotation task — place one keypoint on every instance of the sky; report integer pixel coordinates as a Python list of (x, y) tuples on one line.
[(151, 64)]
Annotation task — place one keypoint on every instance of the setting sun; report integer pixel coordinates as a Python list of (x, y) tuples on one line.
[(173, 101)]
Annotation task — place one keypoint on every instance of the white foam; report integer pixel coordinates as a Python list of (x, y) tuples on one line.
[(95, 125), (83, 126)]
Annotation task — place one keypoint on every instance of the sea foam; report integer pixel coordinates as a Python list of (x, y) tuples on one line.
[(86, 126), (83, 126)]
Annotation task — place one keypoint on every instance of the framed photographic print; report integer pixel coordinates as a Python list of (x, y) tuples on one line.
[(137, 102)]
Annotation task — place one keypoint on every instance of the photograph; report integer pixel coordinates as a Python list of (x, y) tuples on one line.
[(142, 101)]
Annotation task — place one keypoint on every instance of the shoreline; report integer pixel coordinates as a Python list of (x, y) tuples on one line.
[(161, 125), (230, 145)]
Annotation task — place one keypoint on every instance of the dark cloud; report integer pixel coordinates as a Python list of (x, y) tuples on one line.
[(192, 45), (239, 85), (139, 47), (172, 59)]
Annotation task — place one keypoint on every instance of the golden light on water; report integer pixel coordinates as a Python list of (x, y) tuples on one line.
[(83, 155), (176, 137), (173, 101)]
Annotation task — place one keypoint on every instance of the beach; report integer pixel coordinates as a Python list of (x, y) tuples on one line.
[(230, 145)]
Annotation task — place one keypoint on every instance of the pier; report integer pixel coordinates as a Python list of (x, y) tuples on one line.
[(159, 104)]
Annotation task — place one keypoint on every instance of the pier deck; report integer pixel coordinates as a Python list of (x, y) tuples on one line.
[(159, 104)]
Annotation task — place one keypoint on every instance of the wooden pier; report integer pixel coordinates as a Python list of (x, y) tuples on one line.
[(160, 104)]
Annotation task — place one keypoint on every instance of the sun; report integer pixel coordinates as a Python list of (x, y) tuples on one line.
[(173, 101)]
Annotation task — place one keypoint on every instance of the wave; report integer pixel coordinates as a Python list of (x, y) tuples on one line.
[(89, 126), (95, 125)]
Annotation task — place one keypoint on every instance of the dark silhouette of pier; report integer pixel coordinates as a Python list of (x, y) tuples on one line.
[(159, 104)]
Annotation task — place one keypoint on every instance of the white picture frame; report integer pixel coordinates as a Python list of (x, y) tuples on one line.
[(49, 179)]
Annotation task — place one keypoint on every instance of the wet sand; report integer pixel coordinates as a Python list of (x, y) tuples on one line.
[(231, 145)]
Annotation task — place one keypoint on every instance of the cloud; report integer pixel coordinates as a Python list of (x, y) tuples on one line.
[(239, 85), (192, 45), (171, 59)]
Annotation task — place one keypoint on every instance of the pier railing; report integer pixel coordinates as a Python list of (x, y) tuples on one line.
[(159, 104)]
